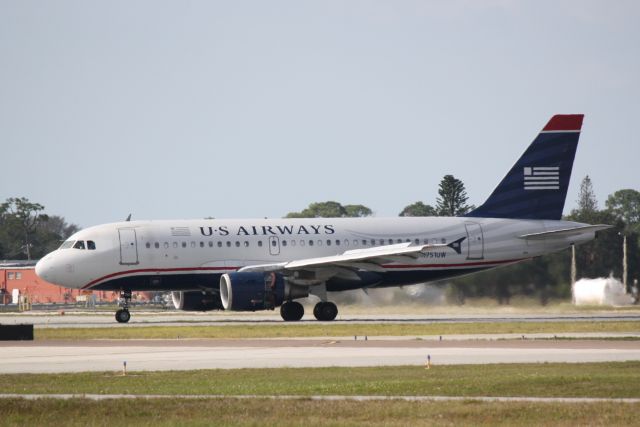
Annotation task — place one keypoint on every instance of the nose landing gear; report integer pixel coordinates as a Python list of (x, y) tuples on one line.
[(123, 315)]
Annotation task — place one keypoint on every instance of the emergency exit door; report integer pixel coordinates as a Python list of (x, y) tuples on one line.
[(274, 245), (128, 246), (475, 241)]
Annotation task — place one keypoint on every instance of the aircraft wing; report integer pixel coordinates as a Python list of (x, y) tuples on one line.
[(369, 259), (565, 232)]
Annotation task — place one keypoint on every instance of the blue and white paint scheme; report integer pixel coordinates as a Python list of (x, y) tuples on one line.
[(262, 264)]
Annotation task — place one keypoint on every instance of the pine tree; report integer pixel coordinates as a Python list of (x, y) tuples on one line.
[(452, 200), (587, 202)]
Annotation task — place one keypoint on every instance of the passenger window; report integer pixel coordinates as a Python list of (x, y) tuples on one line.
[(184, 244), (364, 243), (91, 245), (237, 244), (328, 242), (148, 245), (210, 243), (443, 241), (260, 243), (166, 245), (284, 243), (246, 244), (193, 244), (202, 244), (319, 242), (293, 243), (156, 245), (391, 241), (417, 241), (373, 242), (301, 242), (381, 242), (310, 242), (219, 244), (337, 242), (274, 243), (79, 244), (228, 244), (175, 245)]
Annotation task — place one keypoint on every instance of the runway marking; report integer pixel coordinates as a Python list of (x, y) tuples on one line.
[(329, 398)]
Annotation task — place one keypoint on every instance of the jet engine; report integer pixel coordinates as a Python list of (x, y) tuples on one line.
[(253, 291), (196, 301)]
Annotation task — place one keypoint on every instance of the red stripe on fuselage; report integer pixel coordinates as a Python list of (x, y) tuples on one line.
[(156, 270), (390, 267)]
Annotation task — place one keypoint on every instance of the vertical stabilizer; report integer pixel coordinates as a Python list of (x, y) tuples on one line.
[(536, 186)]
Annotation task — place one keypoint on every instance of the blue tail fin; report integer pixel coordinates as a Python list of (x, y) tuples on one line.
[(536, 186)]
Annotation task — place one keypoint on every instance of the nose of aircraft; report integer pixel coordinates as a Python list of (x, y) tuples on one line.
[(44, 269)]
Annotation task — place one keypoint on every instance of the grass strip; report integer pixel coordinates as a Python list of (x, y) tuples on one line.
[(196, 412), (611, 380), (332, 330)]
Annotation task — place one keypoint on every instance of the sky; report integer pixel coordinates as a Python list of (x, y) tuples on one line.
[(191, 109)]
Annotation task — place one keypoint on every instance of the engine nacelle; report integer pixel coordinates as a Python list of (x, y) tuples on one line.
[(196, 301), (257, 291)]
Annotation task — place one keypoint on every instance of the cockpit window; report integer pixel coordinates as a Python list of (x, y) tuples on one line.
[(67, 244), (79, 244), (91, 245)]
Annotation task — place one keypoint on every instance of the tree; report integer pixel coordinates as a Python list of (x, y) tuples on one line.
[(50, 234), (625, 204), (452, 200), (357, 211), (331, 209), (23, 216), (587, 203), (418, 209)]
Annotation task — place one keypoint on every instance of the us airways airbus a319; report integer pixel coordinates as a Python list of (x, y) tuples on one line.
[(262, 264)]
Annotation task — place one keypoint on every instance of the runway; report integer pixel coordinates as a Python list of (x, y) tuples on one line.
[(154, 355), (93, 319)]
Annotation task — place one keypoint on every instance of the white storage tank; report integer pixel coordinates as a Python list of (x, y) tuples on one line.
[(600, 291)]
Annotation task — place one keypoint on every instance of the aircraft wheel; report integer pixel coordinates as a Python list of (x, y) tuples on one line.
[(123, 316), (325, 311), (291, 311)]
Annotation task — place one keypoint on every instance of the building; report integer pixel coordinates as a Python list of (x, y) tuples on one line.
[(18, 278)]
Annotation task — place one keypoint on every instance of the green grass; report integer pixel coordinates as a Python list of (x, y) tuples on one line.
[(621, 379), (332, 330), (261, 412)]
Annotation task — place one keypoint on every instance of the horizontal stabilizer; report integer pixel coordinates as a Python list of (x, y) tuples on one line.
[(565, 232)]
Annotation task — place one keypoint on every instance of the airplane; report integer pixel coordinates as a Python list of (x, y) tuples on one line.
[(262, 264)]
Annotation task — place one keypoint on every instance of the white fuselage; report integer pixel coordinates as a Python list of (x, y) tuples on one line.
[(192, 254)]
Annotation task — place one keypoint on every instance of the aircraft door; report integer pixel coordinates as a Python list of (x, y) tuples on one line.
[(128, 246), (475, 240), (274, 245)]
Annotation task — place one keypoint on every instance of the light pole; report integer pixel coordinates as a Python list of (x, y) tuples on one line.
[(624, 260), (573, 274)]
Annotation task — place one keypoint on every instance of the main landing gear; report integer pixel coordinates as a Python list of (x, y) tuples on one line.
[(325, 311), (123, 315), (292, 311)]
